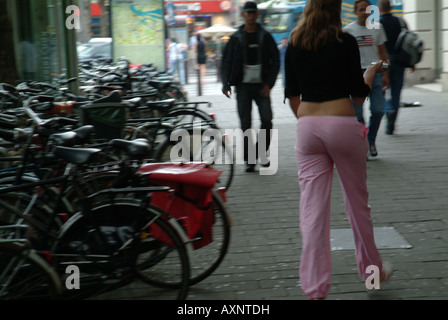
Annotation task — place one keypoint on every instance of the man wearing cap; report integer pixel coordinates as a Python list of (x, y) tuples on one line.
[(251, 63)]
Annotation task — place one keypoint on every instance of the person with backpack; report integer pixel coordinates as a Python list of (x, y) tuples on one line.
[(371, 43), (393, 28), (251, 62)]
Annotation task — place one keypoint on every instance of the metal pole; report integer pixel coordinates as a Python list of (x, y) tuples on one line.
[(199, 82), (71, 55), (218, 68), (186, 70)]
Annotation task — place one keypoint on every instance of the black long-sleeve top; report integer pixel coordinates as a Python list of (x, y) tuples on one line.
[(330, 73), (392, 27)]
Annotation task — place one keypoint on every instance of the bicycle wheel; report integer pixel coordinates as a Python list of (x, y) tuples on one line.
[(155, 264), (25, 275), (205, 260), (119, 242), (184, 115), (199, 145)]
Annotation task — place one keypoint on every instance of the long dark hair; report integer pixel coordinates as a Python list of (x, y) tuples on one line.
[(320, 24)]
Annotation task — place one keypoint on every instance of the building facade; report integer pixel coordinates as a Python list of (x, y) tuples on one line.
[(185, 17), (429, 19), (42, 46)]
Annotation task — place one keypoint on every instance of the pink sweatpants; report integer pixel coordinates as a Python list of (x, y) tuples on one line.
[(322, 143)]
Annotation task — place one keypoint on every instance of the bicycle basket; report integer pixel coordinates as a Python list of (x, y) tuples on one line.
[(107, 115)]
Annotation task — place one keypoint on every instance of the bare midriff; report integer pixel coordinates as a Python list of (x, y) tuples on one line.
[(340, 107)]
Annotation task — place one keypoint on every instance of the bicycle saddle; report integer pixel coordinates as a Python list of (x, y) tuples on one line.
[(114, 96), (76, 155), (159, 85), (83, 133), (66, 139), (70, 138), (55, 125), (163, 105), (44, 106), (134, 102), (138, 148)]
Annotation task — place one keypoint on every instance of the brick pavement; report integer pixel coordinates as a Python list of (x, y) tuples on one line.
[(408, 191)]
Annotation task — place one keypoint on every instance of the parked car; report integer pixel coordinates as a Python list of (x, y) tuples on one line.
[(96, 49)]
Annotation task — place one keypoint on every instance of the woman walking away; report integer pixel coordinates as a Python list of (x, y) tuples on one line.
[(200, 48), (323, 74)]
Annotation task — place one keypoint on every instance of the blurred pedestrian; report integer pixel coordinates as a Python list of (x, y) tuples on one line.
[(392, 27), (193, 40), (192, 60), (167, 54), (251, 63), (371, 43), (282, 50), (323, 74), (201, 57), (176, 52)]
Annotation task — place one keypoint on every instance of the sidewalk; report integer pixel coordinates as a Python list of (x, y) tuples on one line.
[(408, 194)]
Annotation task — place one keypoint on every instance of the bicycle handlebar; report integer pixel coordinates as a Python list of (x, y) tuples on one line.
[(69, 80), (30, 112), (44, 85)]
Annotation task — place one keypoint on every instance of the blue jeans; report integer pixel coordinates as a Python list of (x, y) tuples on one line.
[(178, 64), (245, 94), (376, 108), (396, 76)]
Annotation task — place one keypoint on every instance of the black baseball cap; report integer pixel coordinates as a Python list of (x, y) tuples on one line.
[(250, 6)]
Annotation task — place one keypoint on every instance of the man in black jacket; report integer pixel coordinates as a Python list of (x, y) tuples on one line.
[(251, 63)]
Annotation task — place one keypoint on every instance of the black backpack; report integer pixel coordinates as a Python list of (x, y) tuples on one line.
[(409, 47)]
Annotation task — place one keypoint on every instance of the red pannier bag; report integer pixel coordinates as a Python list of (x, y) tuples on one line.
[(192, 204)]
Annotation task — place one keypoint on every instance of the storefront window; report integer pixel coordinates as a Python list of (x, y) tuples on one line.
[(38, 38)]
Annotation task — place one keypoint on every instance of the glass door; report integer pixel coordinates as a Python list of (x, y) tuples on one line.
[(39, 39)]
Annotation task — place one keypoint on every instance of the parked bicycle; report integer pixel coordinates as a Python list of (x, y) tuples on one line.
[(196, 204), (113, 242)]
